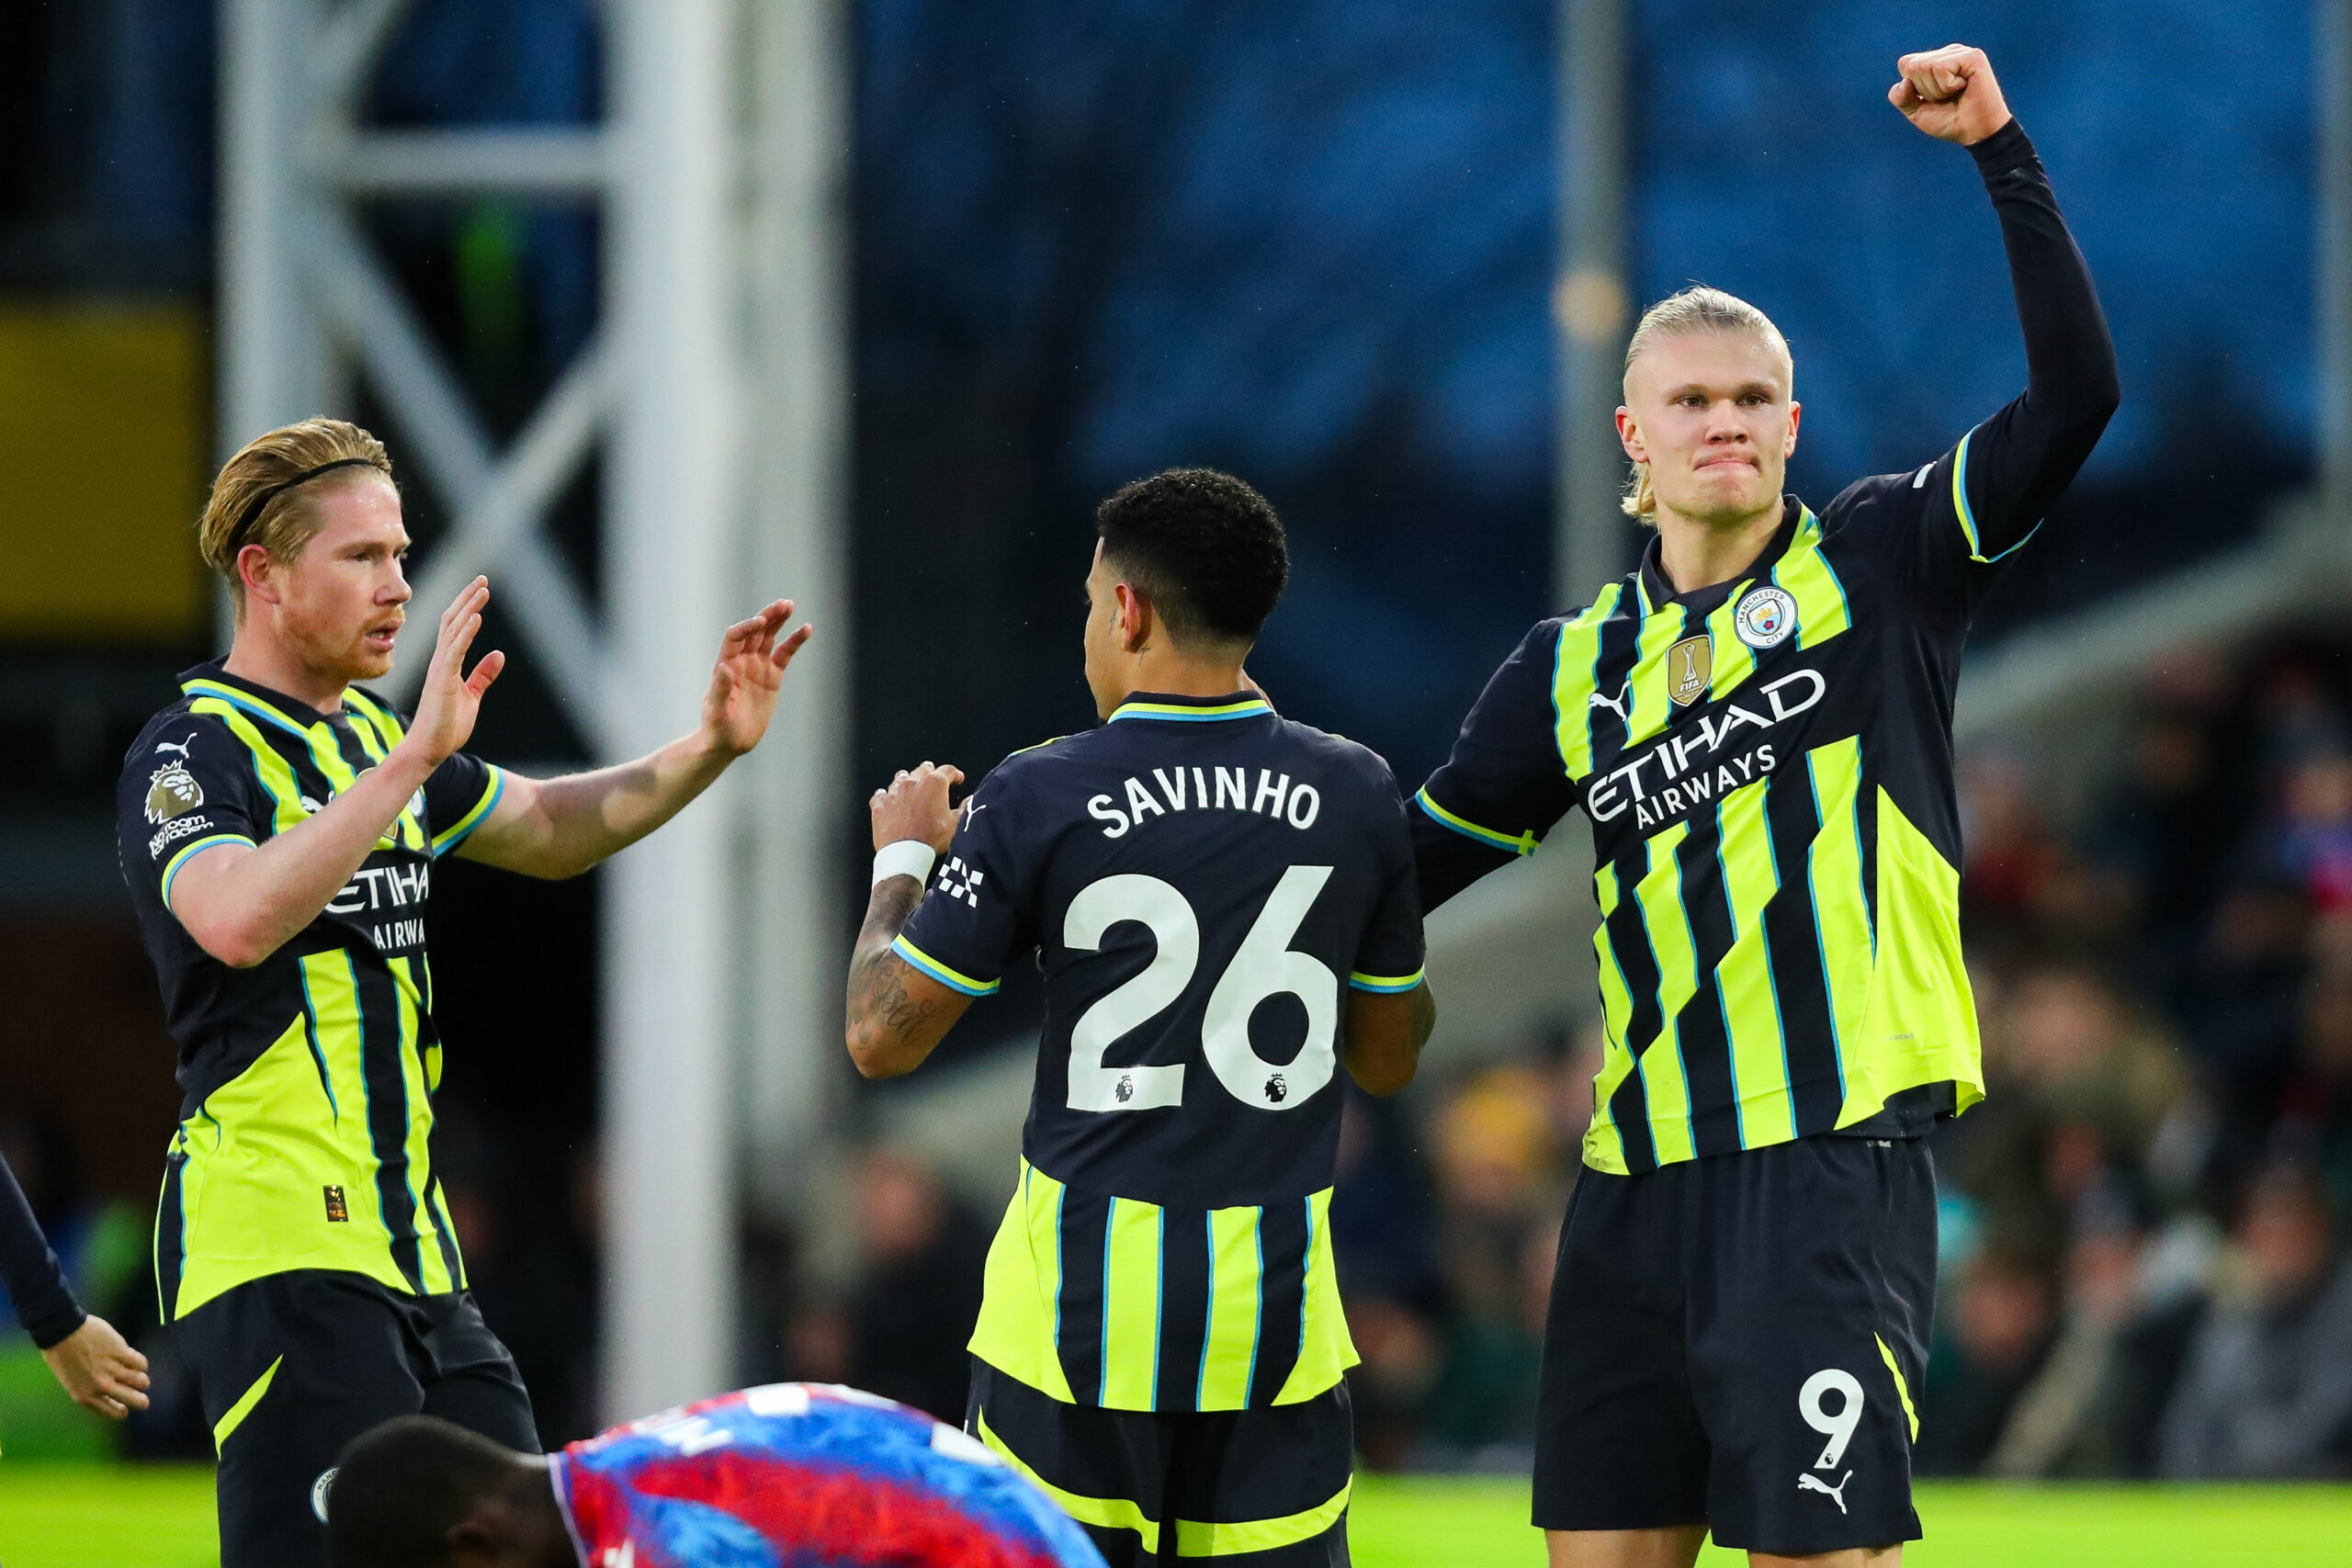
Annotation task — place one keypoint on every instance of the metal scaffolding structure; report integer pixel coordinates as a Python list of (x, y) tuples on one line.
[(1591, 301), (714, 385)]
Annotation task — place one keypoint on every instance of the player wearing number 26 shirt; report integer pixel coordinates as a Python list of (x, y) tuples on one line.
[(1223, 907)]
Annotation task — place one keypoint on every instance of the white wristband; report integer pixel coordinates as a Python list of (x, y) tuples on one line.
[(908, 857)]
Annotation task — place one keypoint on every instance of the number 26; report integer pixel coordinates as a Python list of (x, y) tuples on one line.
[(1265, 967)]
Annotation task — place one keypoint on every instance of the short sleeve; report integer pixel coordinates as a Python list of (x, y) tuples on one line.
[(1504, 786), (1390, 958), (460, 797), (973, 921), (188, 787)]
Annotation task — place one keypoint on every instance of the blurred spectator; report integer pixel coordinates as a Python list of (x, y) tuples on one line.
[(2267, 1390), (2317, 1108), (531, 1262), (2081, 1085), (1502, 1180), (2091, 1410), (2313, 841), (1384, 1240), (902, 1328), (2000, 1325)]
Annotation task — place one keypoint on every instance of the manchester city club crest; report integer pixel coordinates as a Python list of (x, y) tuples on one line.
[(1765, 618), (171, 790), (1689, 665)]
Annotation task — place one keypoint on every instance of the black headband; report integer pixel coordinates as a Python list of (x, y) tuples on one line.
[(253, 511)]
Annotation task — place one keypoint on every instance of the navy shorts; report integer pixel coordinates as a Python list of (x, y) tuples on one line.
[(293, 1366), (1263, 1488), (1738, 1341)]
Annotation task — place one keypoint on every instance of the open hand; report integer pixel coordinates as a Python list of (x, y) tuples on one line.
[(1950, 93), (915, 807), (99, 1370), (744, 687), (451, 700)]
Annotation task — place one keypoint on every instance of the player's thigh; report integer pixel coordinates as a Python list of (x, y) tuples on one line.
[(1619, 1446), (1107, 1469), (1265, 1488), (470, 1376), (1810, 1317), (290, 1369)]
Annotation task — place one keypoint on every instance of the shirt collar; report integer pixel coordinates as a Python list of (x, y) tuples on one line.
[(1657, 591), (211, 680), (1191, 710)]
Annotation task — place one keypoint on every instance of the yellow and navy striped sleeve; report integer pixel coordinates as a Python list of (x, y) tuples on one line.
[(1506, 783)]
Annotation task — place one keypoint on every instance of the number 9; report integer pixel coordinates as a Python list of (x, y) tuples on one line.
[(1838, 1427)]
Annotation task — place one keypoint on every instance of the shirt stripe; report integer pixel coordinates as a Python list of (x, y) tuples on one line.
[(1163, 1308)]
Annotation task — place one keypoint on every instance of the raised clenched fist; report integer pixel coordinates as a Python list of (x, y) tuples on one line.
[(1951, 94)]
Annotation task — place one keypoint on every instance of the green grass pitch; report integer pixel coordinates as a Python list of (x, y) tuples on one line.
[(64, 1516)]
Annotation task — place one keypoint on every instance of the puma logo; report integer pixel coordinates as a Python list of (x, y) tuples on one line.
[(1835, 1494), (181, 747), (1617, 704)]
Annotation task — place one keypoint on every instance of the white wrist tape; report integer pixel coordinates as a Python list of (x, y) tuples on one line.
[(908, 857)]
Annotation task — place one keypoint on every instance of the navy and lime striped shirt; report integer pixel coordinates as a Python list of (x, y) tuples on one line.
[(1202, 881), (1766, 765), (307, 1079)]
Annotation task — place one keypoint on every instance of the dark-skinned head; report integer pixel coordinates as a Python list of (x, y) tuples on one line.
[(418, 1492), (1202, 549)]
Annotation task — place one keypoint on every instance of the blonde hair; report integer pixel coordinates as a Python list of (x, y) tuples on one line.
[(264, 495), (1698, 309)]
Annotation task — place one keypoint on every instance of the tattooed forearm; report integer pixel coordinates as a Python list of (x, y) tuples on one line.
[(892, 1029)]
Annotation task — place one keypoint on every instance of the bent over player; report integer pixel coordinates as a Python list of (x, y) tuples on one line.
[(279, 827), (791, 1475), (1758, 723), (1222, 902)]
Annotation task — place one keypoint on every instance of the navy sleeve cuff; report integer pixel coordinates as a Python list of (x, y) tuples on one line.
[(53, 1317), (2007, 149)]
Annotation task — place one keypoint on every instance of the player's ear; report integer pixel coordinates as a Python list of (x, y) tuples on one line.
[(1135, 617), (253, 565), (1796, 412), (1629, 436)]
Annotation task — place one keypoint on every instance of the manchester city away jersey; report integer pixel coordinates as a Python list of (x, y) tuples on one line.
[(306, 1118), (1201, 882), (1768, 769)]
